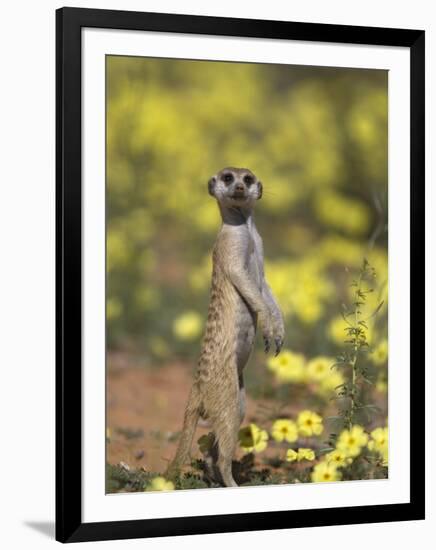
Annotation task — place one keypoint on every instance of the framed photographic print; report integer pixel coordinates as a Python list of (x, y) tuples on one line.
[(240, 274)]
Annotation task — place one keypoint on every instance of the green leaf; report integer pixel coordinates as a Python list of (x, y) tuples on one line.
[(326, 450), (377, 309)]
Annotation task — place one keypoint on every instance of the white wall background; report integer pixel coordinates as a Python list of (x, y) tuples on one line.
[(27, 209)]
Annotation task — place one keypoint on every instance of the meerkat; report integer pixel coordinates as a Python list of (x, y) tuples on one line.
[(240, 298)]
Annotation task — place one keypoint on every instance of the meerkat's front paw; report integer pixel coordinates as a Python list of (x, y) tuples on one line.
[(279, 335), (266, 324), (279, 344), (267, 340), (273, 332)]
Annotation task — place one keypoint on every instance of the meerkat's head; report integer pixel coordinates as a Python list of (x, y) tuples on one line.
[(235, 187)]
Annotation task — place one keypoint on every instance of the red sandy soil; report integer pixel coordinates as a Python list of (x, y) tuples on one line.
[(149, 403), (145, 407)]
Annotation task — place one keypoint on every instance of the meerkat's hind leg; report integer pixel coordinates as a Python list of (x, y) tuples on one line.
[(192, 415), (226, 428)]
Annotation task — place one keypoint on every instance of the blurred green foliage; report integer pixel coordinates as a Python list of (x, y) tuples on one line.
[(317, 138)]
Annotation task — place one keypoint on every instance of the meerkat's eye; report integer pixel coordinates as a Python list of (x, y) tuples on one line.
[(248, 179), (228, 178)]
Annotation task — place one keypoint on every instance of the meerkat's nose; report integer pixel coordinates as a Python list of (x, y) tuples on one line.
[(239, 187)]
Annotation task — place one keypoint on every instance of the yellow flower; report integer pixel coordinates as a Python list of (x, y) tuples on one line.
[(284, 430), (339, 458), (288, 366), (309, 309), (325, 471), (305, 454), (147, 298), (379, 438), (380, 355), (381, 386), (199, 277), (291, 455), (351, 441), (300, 287), (188, 326), (331, 381), (337, 329), (160, 484), (319, 367), (338, 333), (340, 250), (379, 443), (159, 346), (252, 438), (309, 423), (338, 211)]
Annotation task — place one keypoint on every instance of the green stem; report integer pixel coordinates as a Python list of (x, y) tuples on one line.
[(356, 350)]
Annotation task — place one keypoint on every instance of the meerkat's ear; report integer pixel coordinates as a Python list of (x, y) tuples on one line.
[(211, 186), (259, 190)]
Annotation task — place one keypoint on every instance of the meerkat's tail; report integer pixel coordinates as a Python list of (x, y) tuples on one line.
[(190, 422)]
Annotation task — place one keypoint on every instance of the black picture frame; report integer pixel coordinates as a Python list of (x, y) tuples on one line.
[(69, 22)]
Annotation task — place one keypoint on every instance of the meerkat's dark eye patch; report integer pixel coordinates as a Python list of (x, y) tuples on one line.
[(228, 178), (248, 179)]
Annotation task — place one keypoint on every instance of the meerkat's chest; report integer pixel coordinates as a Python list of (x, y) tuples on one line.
[(254, 261), (245, 318)]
